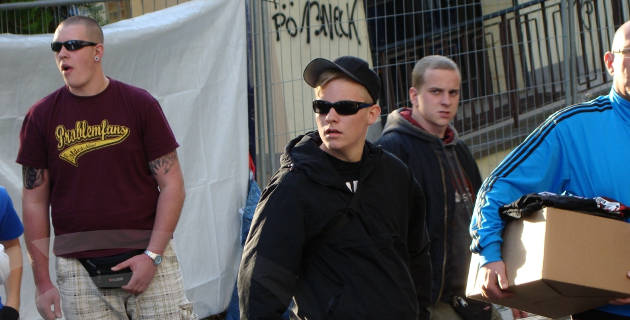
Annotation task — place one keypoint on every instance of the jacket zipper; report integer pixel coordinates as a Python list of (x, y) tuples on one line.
[(445, 230)]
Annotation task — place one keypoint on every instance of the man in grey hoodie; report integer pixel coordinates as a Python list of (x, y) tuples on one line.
[(422, 137)]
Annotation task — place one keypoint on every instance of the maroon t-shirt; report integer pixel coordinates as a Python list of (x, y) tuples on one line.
[(97, 149)]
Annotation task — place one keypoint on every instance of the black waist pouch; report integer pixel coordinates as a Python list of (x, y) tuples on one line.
[(469, 309), (100, 269)]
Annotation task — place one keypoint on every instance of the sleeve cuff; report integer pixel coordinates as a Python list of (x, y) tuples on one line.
[(9, 313), (490, 253)]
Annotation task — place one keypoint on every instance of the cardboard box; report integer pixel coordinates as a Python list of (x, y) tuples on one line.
[(561, 262)]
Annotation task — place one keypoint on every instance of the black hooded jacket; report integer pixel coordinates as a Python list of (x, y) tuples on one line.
[(359, 270), (440, 169)]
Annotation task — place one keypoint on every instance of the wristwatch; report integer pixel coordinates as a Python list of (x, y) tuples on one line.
[(157, 259)]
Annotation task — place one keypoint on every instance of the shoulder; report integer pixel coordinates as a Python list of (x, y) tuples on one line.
[(5, 200), (391, 137), (287, 179), (391, 163), (131, 91), (568, 121), (287, 190), (46, 103), (393, 176), (4, 195), (582, 112), (463, 148), (394, 142)]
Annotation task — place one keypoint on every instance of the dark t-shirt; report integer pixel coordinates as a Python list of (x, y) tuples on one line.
[(96, 149), (349, 171)]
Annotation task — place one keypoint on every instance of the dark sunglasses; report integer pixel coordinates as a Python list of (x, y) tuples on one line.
[(344, 107), (70, 45)]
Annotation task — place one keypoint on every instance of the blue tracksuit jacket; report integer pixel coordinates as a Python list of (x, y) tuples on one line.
[(583, 149)]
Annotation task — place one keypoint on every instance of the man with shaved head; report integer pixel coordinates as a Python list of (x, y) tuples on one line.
[(101, 155), (423, 138), (563, 155)]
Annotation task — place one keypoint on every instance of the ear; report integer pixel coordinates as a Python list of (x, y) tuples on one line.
[(413, 95), (608, 62), (374, 112), (100, 50)]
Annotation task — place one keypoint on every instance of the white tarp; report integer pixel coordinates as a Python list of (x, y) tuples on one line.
[(192, 58)]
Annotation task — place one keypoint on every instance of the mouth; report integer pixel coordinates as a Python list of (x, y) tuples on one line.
[(332, 132), (65, 68)]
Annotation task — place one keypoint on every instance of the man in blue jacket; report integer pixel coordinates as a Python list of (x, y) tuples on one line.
[(582, 149)]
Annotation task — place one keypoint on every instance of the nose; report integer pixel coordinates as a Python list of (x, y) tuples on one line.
[(62, 53), (445, 99), (332, 115)]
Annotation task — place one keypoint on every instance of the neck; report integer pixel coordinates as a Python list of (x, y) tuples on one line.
[(353, 155), (97, 86), (436, 131)]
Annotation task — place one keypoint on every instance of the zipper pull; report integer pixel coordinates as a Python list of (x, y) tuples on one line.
[(459, 301)]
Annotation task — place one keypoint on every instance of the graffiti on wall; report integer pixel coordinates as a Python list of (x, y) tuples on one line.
[(317, 20)]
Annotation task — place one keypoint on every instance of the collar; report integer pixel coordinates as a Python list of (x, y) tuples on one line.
[(449, 135), (620, 105)]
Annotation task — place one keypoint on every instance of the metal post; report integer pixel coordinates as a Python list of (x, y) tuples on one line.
[(256, 64), (568, 45), (266, 161), (266, 67)]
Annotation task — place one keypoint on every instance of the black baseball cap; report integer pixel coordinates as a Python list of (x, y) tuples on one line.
[(355, 68)]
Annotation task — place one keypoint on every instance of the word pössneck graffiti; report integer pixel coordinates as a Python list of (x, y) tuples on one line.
[(317, 18)]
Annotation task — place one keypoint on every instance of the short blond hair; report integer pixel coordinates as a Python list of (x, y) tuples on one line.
[(93, 30), (431, 62), (327, 76), (330, 75)]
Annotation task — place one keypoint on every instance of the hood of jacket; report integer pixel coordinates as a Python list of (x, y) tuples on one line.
[(435, 165), (374, 235), (397, 122), (304, 153)]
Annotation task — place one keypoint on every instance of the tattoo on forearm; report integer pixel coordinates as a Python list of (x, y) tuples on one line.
[(162, 164), (32, 177)]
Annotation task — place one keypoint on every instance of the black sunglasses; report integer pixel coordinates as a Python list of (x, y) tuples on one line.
[(344, 107), (70, 45)]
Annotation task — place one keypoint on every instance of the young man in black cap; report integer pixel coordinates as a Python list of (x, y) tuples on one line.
[(339, 230)]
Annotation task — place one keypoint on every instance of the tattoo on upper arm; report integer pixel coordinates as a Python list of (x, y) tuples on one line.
[(32, 177), (162, 164)]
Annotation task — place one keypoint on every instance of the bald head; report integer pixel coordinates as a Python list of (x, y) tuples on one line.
[(617, 61), (92, 29), (621, 40)]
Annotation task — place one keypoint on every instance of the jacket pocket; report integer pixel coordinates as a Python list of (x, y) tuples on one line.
[(334, 302)]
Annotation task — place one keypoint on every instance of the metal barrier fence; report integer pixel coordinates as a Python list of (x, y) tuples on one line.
[(520, 60), (43, 16)]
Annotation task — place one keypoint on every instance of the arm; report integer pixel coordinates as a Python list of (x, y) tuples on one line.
[(12, 284), (169, 177), (418, 244), (390, 143), (537, 164), (272, 255), (35, 204)]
